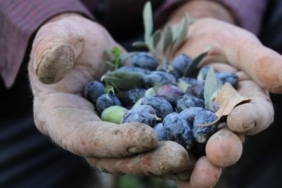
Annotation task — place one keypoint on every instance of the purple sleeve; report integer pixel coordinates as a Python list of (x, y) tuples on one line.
[(248, 13), (19, 20), (163, 12)]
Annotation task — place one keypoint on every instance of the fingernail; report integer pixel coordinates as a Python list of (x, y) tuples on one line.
[(133, 150), (54, 64)]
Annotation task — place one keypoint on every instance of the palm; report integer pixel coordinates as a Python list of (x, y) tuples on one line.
[(66, 54)]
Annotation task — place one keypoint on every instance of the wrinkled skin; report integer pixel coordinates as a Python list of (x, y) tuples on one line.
[(233, 46), (236, 50), (67, 53)]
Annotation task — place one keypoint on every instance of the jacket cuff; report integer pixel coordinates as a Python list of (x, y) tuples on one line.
[(164, 11), (248, 14)]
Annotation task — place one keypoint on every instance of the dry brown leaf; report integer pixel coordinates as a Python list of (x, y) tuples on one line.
[(227, 98)]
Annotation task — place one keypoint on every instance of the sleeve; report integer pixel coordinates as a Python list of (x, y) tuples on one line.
[(19, 20), (249, 13), (163, 12)]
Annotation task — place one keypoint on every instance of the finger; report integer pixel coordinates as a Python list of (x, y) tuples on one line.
[(168, 160), (204, 175), (228, 68), (224, 125), (224, 148), (262, 64), (255, 116), (71, 122), (242, 76), (59, 44), (55, 49), (237, 47), (219, 66)]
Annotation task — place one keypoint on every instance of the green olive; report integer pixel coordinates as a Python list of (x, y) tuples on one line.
[(113, 114)]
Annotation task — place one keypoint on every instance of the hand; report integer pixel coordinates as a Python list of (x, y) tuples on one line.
[(258, 68), (243, 51), (67, 53), (239, 48)]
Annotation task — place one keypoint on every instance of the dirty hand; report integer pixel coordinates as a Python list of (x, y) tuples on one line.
[(67, 53), (258, 68)]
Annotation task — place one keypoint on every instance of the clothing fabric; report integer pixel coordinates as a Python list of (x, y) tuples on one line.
[(248, 13)]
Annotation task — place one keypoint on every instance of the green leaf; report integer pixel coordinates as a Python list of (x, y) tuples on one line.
[(150, 44), (193, 65), (139, 44), (180, 33), (109, 63), (150, 92), (122, 80), (168, 36), (212, 85), (116, 52), (109, 89), (113, 57), (200, 76), (156, 38), (183, 85), (148, 20)]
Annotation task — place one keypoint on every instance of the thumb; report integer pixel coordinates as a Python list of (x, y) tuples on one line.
[(55, 48), (168, 160), (67, 41)]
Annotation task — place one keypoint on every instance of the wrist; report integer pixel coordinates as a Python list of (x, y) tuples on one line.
[(202, 9)]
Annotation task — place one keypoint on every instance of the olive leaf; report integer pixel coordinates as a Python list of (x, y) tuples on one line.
[(148, 20), (122, 80), (212, 85), (156, 38), (183, 85), (139, 44), (193, 65), (168, 38), (150, 92), (153, 42), (200, 76), (160, 43), (227, 98), (180, 33), (113, 57), (109, 89), (116, 52)]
